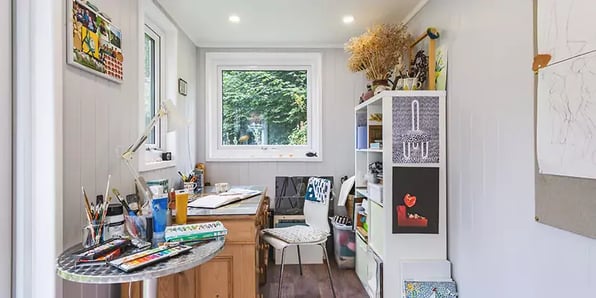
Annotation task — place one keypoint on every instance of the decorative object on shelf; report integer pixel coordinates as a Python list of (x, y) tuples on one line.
[(94, 44), (378, 117), (375, 169), (441, 68), (378, 51), (415, 200), (367, 95), (411, 83), (416, 129), (420, 67), (182, 87), (417, 61)]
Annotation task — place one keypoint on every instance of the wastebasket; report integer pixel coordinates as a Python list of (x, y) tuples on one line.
[(344, 243)]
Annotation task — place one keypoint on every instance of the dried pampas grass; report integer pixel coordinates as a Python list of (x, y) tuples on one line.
[(378, 50)]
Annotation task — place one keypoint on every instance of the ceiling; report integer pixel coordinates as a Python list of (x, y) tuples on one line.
[(283, 23)]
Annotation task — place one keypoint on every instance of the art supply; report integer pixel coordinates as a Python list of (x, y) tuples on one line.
[(133, 202), (89, 232), (88, 211), (191, 232), (103, 249), (148, 257), (181, 208), (149, 229), (161, 182), (114, 222), (159, 208)]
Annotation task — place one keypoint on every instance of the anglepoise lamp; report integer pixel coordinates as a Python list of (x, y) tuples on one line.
[(175, 120)]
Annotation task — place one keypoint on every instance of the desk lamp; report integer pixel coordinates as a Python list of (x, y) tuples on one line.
[(175, 120)]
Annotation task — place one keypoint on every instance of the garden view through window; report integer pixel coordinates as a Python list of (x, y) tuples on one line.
[(264, 107)]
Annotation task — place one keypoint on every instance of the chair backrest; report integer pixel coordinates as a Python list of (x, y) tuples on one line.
[(316, 203)]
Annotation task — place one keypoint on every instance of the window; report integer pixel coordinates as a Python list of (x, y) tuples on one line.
[(263, 106), (158, 60), (152, 84)]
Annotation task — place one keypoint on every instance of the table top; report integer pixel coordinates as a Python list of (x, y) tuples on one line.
[(248, 206), (107, 274)]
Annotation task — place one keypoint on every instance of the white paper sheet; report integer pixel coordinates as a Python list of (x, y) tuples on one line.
[(566, 120)]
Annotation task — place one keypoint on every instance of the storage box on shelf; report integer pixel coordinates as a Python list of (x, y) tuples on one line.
[(373, 115)]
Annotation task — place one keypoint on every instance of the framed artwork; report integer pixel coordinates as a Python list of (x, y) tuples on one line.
[(415, 129), (415, 200), (94, 44), (182, 87)]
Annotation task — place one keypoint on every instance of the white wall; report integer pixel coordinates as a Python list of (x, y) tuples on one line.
[(6, 144), (496, 247), (101, 120), (341, 90)]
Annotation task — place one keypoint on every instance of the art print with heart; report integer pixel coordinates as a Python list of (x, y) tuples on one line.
[(415, 200)]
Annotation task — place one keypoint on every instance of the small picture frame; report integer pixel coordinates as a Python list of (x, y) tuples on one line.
[(182, 87)]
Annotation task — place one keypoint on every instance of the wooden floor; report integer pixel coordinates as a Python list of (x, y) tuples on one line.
[(313, 283)]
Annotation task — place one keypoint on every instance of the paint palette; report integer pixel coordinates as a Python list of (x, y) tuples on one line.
[(193, 232), (148, 257)]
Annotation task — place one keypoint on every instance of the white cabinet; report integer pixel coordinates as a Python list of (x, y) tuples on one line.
[(385, 242)]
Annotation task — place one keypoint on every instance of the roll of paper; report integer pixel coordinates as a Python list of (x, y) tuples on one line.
[(361, 138)]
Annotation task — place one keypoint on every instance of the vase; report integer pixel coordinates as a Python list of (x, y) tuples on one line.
[(380, 85)]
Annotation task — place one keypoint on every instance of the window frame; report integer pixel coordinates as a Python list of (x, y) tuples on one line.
[(149, 156), (160, 130), (217, 62)]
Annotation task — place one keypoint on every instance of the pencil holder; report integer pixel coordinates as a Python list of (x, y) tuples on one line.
[(92, 235)]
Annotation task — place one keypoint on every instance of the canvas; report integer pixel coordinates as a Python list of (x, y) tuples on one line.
[(430, 289), (415, 200), (415, 129)]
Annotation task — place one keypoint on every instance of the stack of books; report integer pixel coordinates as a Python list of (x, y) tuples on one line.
[(195, 232)]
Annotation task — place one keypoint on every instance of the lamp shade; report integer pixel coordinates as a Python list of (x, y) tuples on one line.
[(175, 117)]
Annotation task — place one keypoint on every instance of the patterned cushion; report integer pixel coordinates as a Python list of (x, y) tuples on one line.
[(298, 234), (318, 190)]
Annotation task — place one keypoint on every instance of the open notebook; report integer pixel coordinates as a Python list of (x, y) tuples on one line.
[(224, 198)]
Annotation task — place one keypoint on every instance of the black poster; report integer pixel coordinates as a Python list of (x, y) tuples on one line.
[(415, 200)]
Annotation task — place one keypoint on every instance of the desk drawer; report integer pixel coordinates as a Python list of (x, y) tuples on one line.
[(240, 231)]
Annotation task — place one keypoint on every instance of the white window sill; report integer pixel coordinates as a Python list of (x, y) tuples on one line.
[(156, 165)]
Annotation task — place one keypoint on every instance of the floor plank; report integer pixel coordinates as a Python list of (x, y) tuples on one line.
[(313, 283)]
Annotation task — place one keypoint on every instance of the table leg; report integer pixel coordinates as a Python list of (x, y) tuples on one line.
[(150, 288)]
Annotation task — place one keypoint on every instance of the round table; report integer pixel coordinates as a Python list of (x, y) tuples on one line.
[(106, 274)]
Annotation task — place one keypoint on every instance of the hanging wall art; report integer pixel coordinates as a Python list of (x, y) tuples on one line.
[(94, 43), (416, 129)]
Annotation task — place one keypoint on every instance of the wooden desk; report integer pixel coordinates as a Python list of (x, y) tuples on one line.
[(238, 270)]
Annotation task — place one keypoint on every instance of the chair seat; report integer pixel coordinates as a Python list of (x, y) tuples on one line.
[(294, 235)]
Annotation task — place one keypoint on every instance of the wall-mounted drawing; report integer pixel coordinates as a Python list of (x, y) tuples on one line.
[(416, 129)]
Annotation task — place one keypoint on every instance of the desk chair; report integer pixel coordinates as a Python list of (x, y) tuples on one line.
[(316, 207)]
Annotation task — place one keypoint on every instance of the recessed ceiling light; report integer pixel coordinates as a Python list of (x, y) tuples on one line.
[(234, 19), (348, 19)]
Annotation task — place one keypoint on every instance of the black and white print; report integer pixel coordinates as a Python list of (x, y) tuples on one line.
[(415, 129)]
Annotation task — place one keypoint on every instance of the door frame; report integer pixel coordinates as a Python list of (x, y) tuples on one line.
[(38, 59), (6, 276)]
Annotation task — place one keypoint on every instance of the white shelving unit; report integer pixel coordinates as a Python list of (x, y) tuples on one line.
[(379, 244)]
